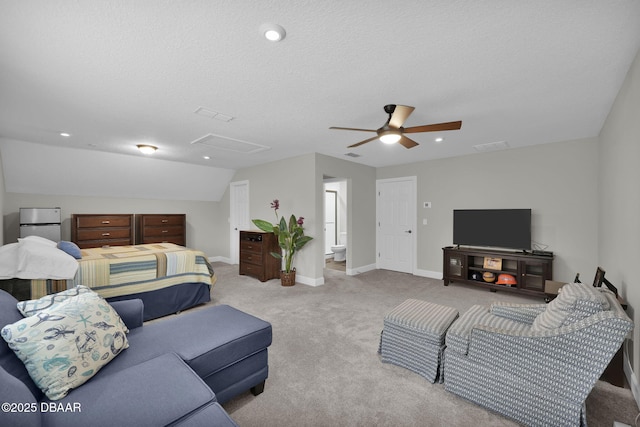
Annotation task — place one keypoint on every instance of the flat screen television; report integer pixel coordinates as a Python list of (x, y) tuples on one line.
[(500, 228)]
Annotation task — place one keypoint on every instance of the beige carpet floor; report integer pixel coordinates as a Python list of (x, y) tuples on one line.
[(324, 366)]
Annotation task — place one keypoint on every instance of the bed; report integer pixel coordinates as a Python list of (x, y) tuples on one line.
[(168, 278)]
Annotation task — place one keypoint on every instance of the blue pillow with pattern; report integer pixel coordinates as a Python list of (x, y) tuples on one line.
[(64, 346)]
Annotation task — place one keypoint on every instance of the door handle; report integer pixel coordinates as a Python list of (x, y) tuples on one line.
[(408, 231)]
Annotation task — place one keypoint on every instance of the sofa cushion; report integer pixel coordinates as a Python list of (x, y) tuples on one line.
[(575, 301), (208, 340), (23, 409), (457, 338), (157, 392), (210, 415), (66, 345), (8, 359), (31, 307)]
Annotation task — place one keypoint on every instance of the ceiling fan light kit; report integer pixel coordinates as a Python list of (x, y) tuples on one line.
[(392, 131), (390, 137)]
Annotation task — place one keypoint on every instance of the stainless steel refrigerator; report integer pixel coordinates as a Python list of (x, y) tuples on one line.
[(43, 222)]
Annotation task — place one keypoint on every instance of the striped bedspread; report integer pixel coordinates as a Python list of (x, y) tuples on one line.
[(124, 270)]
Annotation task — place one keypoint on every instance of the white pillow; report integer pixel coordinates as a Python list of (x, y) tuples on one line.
[(66, 345), (38, 239), (8, 261), (41, 261)]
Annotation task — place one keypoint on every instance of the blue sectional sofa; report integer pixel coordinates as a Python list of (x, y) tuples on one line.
[(177, 371)]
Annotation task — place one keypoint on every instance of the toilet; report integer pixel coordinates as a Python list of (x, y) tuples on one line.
[(340, 251)]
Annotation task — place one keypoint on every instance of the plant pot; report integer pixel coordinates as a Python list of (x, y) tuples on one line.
[(288, 279)]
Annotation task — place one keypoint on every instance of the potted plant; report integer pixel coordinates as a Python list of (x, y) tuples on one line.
[(290, 237)]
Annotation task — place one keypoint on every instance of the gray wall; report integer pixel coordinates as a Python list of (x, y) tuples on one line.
[(361, 209), (557, 181), (292, 182), (619, 201), (201, 230), (298, 184), (2, 193)]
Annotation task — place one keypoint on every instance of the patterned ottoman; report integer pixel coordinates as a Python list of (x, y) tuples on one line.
[(413, 337)]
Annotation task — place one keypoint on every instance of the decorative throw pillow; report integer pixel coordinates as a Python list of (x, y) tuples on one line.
[(574, 302), (37, 239), (31, 307), (66, 345), (70, 248)]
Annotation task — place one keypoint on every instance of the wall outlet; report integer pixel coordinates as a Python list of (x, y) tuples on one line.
[(427, 204), (424, 221)]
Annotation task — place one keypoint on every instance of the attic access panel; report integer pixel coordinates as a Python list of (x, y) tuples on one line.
[(229, 144)]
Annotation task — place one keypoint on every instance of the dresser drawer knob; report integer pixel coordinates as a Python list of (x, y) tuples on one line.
[(165, 220), (106, 234), (106, 222)]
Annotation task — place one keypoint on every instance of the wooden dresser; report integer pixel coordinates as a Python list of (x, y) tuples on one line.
[(96, 230), (161, 228), (255, 255)]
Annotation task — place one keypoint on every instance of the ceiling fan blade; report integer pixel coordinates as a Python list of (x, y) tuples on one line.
[(435, 127), (362, 130), (400, 115), (363, 142), (407, 142)]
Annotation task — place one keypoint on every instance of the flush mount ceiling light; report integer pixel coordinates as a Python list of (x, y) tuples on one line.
[(65, 134), (146, 148), (272, 32), (439, 139)]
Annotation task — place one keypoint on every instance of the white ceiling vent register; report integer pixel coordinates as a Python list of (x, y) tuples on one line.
[(491, 146), (229, 144), (210, 114)]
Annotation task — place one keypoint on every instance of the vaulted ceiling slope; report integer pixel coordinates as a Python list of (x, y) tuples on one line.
[(118, 73), (43, 169)]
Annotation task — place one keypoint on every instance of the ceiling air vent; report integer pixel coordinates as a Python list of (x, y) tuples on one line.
[(210, 114), (491, 146), (352, 155), (229, 144)]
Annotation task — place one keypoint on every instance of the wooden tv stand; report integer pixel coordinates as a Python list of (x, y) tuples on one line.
[(530, 271)]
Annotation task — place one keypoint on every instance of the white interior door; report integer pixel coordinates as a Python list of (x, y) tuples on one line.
[(238, 216), (396, 221)]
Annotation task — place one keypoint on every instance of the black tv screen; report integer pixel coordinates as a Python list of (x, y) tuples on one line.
[(500, 228)]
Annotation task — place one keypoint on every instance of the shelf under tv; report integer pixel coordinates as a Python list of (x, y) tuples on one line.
[(530, 271)]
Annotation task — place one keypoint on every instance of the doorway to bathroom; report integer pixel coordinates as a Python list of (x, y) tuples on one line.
[(335, 224)]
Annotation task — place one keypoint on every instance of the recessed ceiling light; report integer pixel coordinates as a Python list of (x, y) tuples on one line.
[(146, 148), (439, 139), (272, 32), (65, 134), (206, 157)]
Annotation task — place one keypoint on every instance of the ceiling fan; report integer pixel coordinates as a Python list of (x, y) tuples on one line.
[(392, 131)]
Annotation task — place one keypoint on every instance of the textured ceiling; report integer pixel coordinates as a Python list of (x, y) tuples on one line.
[(117, 73)]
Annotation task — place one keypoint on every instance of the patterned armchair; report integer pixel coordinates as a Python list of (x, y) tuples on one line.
[(536, 363)]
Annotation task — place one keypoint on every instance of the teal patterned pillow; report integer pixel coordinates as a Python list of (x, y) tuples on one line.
[(64, 346), (31, 307)]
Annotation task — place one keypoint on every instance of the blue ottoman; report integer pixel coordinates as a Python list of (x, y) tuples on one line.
[(413, 337)]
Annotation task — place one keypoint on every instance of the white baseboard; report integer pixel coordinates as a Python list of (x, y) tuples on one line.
[(428, 273), (628, 371), (310, 281), (224, 259), (360, 270)]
